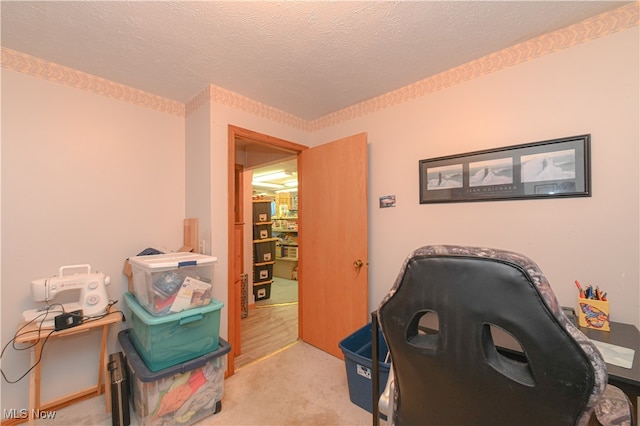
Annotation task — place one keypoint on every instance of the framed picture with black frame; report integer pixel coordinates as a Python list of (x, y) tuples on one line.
[(548, 169)]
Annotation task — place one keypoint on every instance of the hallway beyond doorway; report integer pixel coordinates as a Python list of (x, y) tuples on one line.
[(282, 291), (271, 324)]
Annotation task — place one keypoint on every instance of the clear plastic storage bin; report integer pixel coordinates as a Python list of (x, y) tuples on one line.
[(180, 395), (172, 282)]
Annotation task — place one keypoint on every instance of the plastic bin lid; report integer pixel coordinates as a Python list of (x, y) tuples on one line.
[(184, 316), (143, 373), (172, 260)]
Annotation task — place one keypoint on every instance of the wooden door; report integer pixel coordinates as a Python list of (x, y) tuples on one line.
[(332, 268)]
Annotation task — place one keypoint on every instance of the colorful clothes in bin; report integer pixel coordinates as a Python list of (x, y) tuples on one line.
[(182, 394)]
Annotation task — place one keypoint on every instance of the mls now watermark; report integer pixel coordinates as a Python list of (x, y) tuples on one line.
[(23, 413)]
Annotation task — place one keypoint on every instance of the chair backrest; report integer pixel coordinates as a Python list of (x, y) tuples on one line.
[(457, 375)]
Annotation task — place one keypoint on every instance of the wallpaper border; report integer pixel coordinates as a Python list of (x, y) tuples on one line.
[(599, 26), (590, 29), (36, 67)]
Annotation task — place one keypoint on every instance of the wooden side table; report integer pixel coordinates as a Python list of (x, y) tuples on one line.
[(30, 334)]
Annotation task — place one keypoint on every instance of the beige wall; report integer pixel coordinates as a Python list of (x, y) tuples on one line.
[(85, 179), (590, 88), (198, 174)]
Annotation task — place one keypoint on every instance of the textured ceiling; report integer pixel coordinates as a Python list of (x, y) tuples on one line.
[(306, 58)]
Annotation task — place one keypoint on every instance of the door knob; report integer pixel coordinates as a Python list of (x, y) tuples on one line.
[(357, 263)]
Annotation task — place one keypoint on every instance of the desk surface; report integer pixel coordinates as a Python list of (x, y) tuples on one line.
[(30, 332), (625, 335)]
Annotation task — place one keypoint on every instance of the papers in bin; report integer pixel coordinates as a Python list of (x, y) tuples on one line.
[(616, 355), (192, 293)]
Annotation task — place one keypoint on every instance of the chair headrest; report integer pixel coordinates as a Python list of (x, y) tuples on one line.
[(473, 292)]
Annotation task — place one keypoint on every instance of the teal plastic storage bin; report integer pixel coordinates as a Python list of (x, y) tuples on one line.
[(163, 342), (358, 358)]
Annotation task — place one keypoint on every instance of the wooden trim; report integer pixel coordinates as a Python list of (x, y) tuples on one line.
[(235, 132), (234, 303), (238, 192), (262, 139), (238, 253)]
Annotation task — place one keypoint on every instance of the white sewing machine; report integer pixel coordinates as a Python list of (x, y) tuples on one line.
[(93, 298)]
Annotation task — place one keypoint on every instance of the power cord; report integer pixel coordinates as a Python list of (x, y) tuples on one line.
[(12, 342), (107, 312), (39, 329)]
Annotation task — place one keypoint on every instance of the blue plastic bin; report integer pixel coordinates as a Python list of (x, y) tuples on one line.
[(358, 361)]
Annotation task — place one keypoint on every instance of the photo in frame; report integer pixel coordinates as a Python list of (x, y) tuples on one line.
[(547, 169)]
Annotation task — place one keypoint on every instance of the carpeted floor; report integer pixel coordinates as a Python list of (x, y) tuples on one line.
[(300, 385)]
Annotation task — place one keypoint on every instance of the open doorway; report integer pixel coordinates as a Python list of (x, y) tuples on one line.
[(250, 154), (269, 322), (333, 287)]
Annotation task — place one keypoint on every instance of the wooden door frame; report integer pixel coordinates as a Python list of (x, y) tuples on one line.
[(233, 295), (238, 233)]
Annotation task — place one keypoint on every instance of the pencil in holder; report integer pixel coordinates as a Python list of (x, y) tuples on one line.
[(593, 314)]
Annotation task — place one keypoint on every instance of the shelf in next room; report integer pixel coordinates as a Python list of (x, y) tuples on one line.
[(265, 240)]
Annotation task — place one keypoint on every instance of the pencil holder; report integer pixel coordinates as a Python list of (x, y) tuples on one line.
[(593, 314)]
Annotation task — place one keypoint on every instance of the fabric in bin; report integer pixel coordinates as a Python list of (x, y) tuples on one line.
[(187, 394), (149, 251), (179, 395)]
